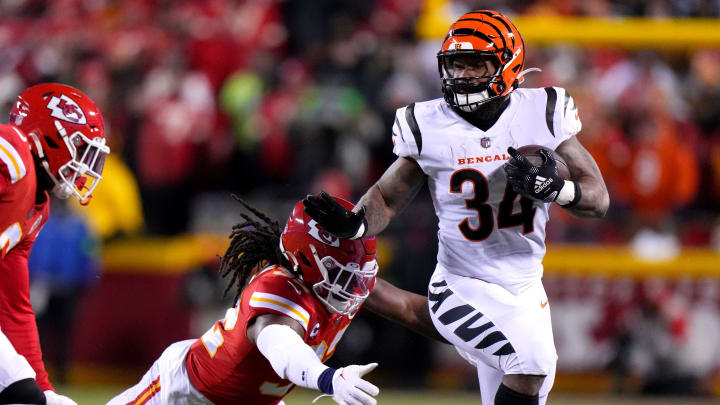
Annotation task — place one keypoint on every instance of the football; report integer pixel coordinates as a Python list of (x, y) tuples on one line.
[(531, 154)]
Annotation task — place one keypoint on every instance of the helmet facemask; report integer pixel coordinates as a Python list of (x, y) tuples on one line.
[(469, 78), (344, 287), (80, 175)]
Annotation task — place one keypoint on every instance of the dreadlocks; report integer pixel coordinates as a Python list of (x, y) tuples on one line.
[(254, 243)]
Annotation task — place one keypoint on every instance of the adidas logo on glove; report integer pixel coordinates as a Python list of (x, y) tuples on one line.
[(541, 183)]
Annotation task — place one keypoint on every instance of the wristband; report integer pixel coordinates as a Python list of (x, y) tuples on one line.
[(570, 194), (566, 194), (325, 381)]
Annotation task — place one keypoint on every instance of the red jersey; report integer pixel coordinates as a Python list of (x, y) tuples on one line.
[(228, 369), (20, 221)]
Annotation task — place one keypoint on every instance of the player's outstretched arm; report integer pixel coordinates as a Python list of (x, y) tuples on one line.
[(594, 200), (397, 186), (403, 307), (279, 339), (391, 194)]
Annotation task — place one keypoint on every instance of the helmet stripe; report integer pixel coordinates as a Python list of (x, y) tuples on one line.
[(460, 32), (500, 34), (507, 26)]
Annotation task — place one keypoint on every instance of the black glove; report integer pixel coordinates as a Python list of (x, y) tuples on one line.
[(540, 183), (335, 218)]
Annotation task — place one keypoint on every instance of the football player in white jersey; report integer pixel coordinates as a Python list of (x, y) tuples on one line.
[(486, 295)]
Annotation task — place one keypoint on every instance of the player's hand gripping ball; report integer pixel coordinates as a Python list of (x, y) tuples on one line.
[(536, 172)]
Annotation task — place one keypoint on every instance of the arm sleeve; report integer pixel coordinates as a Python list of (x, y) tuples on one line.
[(17, 318), (290, 356)]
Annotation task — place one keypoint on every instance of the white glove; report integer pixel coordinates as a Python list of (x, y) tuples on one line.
[(52, 398), (350, 389)]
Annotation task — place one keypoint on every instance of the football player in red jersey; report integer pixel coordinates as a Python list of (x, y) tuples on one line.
[(298, 290), (54, 142)]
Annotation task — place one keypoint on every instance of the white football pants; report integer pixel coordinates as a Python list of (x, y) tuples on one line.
[(165, 383), (498, 332)]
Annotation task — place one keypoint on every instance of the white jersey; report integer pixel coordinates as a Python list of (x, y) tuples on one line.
[(486, 230)]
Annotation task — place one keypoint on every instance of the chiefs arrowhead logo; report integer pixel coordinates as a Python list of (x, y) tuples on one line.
[(321, 235), (66, 109)]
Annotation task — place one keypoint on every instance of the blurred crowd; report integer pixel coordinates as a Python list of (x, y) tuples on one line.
[(282, 98), (655, 336), (273, 99)]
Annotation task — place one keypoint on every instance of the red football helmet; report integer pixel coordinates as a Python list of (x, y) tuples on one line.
[(491, 38), (341, 272), (67, 136)]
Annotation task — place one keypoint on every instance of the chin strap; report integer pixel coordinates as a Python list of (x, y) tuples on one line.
[(57, 189), (86, 200), (38, 146), (60, 189)]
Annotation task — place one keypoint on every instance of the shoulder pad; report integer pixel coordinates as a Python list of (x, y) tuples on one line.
[(12, 165), (279, 291)]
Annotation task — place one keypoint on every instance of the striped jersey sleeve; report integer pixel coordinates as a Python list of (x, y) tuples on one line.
[(280, 293), (562, 115), (277, 303), (12, 167), (406, 136)]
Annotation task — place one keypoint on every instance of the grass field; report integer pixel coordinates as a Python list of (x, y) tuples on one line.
[(100, 395)]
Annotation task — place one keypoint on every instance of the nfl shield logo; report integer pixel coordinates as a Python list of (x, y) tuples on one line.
[(485, 142)]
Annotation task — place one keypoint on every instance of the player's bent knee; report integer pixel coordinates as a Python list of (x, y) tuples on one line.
[(24, 391), (507, 396), (524, 383)]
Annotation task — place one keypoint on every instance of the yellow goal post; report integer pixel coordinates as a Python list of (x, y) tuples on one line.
[(667, 34)]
